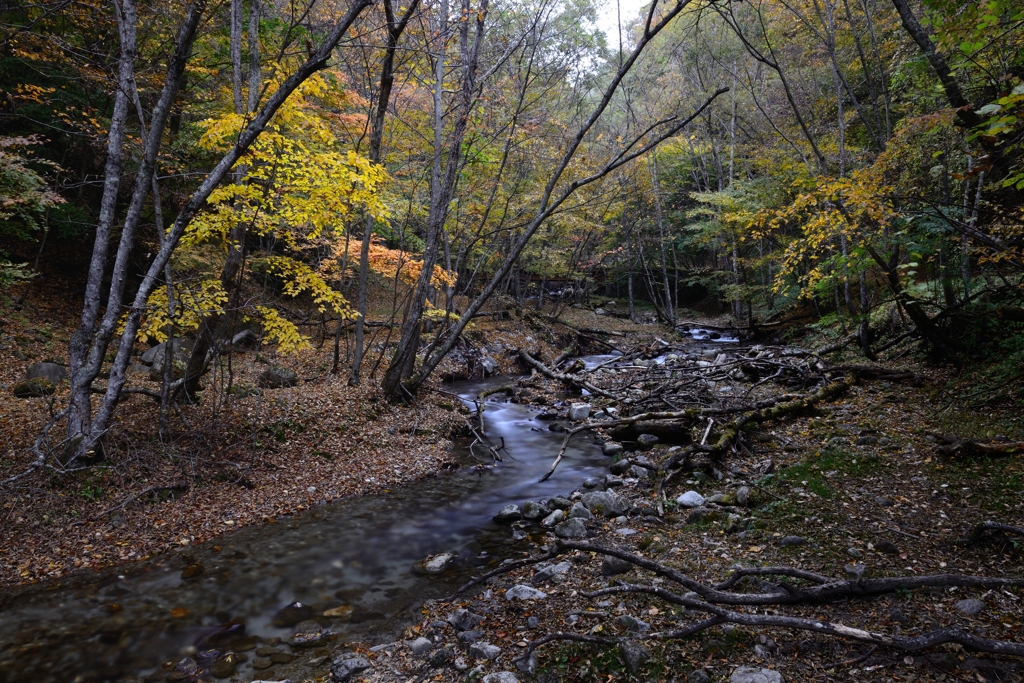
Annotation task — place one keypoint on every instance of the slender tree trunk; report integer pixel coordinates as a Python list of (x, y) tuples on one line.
[(255, 78), (236, 54), (656, 183), (387, 81)]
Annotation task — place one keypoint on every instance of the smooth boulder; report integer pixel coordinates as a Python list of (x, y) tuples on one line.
[(277, 378), (603, 503)]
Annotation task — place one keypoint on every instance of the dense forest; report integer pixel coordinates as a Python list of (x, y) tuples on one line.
[(202, 202)]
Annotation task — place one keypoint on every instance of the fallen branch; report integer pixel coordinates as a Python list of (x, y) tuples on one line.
[(984, 528), (564, 377), (131, 499)]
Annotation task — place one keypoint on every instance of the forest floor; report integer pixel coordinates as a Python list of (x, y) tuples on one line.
[(890, 503), (894, 505)]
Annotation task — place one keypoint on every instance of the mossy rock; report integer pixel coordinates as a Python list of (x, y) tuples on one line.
[(32, 388)]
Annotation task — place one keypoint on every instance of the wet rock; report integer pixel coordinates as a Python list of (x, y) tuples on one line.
[(489, 365), (245, 644), (261, 663), (633, 624), (571, 528), (634, 654), (184, 670), (855, 570), (308, 634), (611, 481), (534, 511), (277, 378), (501, 677), (792, 541), (580, 512), (690, 499), (612, 448), (464, 620), (747, 674), (282, 657), (602, 503), (620, 466), (441, 657), (507, 514), (560, 503), (579, 411), (224, 666), (971, 607), (346, 666), (51, 372), (420, 647), (554, 518), (592, 483), (435, 564), (646, 441), (344, 612), (292, 614), (613, 566), (546, 572), (482, 650)]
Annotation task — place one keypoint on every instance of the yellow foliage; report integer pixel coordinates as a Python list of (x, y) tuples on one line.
[(192, 302), (280, 331)]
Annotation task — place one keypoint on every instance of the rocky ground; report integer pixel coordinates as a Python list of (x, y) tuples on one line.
[(856, 488)]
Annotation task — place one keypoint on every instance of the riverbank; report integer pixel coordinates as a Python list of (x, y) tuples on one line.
[(856, 488)]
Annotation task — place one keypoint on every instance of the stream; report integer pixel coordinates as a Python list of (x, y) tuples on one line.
[(357, 554), (360, 552)]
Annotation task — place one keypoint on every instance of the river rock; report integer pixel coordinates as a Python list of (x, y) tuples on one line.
[(420, 647), (155, 354), (346, 666), (292, 614), (690, 499), (579, 411), (602, 503), (489, 365), (697, 515), (523, 592), (484, 650), (592, 483), (580, 512), (435, 564), (508, 514), (634, 654), (612, 448), (971, 607), (464, 620), (534, 511), (620, 466), (51, 372), (748, 674), (546, 572), (571, 528), (638, 472), (343, 612), (554, 518), (277, 378), (560, 503), (184, 670), (441, 657), (611, 481), (468, 637), (646, 441), (308, 634), (501, 677), (224, 666)]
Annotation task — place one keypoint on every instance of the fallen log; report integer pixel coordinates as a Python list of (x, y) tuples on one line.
[(572, 380)]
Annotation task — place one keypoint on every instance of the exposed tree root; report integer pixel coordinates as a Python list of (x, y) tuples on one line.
[(957, 447), (979, 532), (709, 600)]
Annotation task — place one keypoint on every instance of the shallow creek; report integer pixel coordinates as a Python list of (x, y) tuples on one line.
[(124, 622), (357, 552)]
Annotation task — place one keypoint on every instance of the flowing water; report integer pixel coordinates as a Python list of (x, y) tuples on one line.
[(358, 552)]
